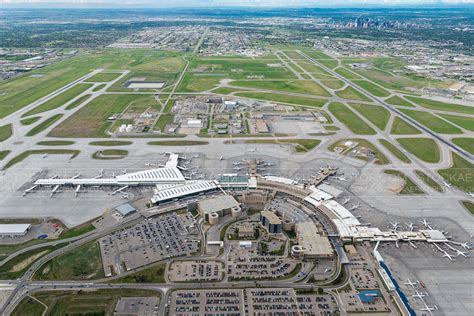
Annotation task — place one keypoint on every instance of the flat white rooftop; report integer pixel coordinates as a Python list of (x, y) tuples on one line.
[(14, 229), (182, 190)]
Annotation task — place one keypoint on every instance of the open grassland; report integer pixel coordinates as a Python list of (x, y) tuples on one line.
[(301, 145), (396, 100), (321, 57), (44, 125), (424, 149), (292, 86), (333, 83), (226, 90), (25, 154), (4, 154), (377, 115), (84, 303), (440, 106), (432, 122), (109, 154), (153, 274), (78, 102), (465, 143), (91, 120), (103, 77), (469, 206), (462, 121), (380, 158), (314, 69), (372, 88), (400, 127), (395, 151), (351, 94), (428, 180), (5, 132), (178, 143), (82, 263), (59, 100), (110, 143), (461, 173), (55, 143), (347, 73), (409, 187), (350, 119), (193, 83), (30, 120), (163, 120), (296, 100)]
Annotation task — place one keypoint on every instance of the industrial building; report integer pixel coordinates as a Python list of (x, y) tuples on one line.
[(271, 222), (14, 229)]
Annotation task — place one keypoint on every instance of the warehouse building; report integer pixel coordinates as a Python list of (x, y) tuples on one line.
[(14, 229)]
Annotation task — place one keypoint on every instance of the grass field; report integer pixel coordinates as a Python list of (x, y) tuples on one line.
[(425, 149), (5, 132), (377, 115), (59, 100), (380, 158), (350, 119), (395, 151), (77, 303), (400, 127), (178, 143), (314, 69), (301, 145), (110, 143), (347, 73), (432, 122), (226, 90), (351, 94), (428, 180), (396, 100), (55, 143), (27, 153), (292, 86), (82, 263), (78, 102), (163, 120), (296, 100), (436, 105), (333, 83), (30, 120), (109, 154), (462, 121), (4, 154), (193, 83), (465, 143), (103, 77), (410, 187), (44, 125), (461, 173), (91, 120), (469, 206), (372, 88), (153, 274)]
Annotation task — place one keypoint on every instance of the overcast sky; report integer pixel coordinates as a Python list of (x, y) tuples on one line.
[(201, 3)]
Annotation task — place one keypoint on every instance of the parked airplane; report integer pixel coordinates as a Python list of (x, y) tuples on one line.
[(354, 207), (460, 253), (411, 226), (346, 201), (410, 283), (253, 150), (394, 226), (149, 164), (447, 255), (426, 223), (221, 157), (418, 295), (465, 246), (447, 184)]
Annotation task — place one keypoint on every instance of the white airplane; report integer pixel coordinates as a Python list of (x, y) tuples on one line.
[(426, 223), (253, 150), (124, 171), (196, 156), (346, 201), (460, 253), (394, 226), (429, 308), (238, 168), (410, 283), (418, 295), (447, 255), (221, 158), (411, 226), (236, 163), (354, 207), (447, 184), (149, 164), (340, 178), (465, 245)]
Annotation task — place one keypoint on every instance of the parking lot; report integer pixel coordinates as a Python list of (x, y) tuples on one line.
[(152, 240), (207, 302), (196, 271)]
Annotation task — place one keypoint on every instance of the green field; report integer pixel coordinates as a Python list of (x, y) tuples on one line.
[(77, 303), (178, 143), (461, 173), (432, 122), (292, 86), (59, 100), (25, 154), (91, 120), (313, 69), (82, 263), (462, 121), (103, 77), (163, 120), (377, 115), (380, 158), (410, 187), (395, 151), (78, 102), (333, 83), (347, 73), (296, 100), (193, 83), (350, 119), (55, 143), (153, 274), (351, 94), (4, 154), (301, 145), (371, 88), (428, 180), (400, 127), (436, 105), (30, 120), (425, 149), (5, 132), (109, 154), (396, 100), (110, 143), (44, 125), (465, 143), (469, 206)]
